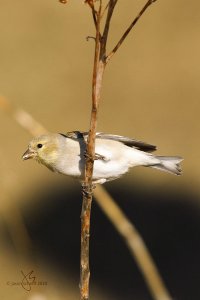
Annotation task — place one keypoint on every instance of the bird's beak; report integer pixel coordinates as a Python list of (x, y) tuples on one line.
[(28, 154)]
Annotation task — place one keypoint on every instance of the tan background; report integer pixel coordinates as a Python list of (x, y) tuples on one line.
[(151, 90)]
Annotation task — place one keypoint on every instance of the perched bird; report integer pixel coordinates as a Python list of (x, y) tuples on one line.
[(114, 155)]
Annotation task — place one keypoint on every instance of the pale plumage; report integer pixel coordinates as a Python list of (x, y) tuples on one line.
[(65, 154)]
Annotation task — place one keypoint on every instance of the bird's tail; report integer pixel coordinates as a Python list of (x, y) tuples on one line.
[(169, 164)]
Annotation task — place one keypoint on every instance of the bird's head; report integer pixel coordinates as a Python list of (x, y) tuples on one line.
[(44, 149)]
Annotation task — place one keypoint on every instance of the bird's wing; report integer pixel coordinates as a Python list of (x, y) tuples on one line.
[(75, 134), (125, 140), (128, 141)]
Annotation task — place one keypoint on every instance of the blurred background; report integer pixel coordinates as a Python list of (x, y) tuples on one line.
[(151, 92)]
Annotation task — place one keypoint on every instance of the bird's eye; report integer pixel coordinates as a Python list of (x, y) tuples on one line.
[(39, 145)]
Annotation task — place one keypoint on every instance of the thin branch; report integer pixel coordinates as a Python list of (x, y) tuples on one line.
[(111, 7), (94, 13), (94, 17), (135, 244), (90, 153), (104, 10), (96, 87), (149, 2)]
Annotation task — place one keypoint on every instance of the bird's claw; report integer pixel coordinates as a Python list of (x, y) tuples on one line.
[(96, 156), (87, 190)]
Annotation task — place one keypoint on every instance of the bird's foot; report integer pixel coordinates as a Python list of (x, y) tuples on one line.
[(87, 189), (96, 156)]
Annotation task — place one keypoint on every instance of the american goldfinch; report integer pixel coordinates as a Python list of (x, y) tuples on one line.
[(114, 155)]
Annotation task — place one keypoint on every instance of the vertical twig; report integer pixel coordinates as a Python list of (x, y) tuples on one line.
[(98, 69), (111, 7), (94, 13), (100, 61)]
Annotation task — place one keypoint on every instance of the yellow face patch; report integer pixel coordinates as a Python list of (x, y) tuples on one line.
[(46, 149)]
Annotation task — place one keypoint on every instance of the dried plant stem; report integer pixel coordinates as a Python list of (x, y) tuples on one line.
[(100, 61), (104, 10), (99, 66), (94, 13), (149, 2), (134, 242)]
